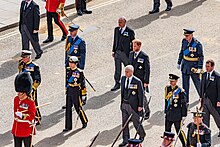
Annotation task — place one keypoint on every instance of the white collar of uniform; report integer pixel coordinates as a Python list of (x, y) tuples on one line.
[(74, 37), (123, 29), (137, 52)]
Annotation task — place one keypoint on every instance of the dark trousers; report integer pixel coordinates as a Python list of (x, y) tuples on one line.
[(56, 17), (38, 114), (157, 3), (120, 57), (177, 125), (73, 99), (80, 5), (18, 141), (126, 112), (28, 37), (186, 82), (209, 109)]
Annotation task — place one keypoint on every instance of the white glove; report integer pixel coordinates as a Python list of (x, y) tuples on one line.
[(19, 114), (58, 10), (178, 66), (84, 98), (198, 145), (199, 71)]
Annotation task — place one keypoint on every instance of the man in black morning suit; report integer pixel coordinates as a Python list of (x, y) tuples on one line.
[(131, 103), (123, 37), (210, 94), (140, 61), (29, 26)]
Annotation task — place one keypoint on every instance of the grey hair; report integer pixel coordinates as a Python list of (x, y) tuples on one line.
[(123, 18), (129, 67)]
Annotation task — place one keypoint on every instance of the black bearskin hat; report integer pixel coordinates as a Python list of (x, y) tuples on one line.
[(23, 83)]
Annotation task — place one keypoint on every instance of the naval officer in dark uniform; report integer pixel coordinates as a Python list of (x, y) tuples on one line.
[(190, 61), (132, 95), (140, 61), (175, 107)]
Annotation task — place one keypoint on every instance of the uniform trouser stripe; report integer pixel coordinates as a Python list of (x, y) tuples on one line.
[(182, 133), (34, 97), (83, 115), (62, 25)]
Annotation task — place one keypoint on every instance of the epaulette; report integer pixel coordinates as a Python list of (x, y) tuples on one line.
[(68, 68), (182, 90), (35, 64)]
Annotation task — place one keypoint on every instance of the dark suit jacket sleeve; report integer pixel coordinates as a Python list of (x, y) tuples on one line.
[(82, 55), (147, 70), (37, 76), (140, 94), (207, 140), (201, 94), (132, 37), (36, 17), (115, 40), (122, 87), (201, 56), (184, 105), (180, 54), (22, 3), (130, 58), (218, 88)]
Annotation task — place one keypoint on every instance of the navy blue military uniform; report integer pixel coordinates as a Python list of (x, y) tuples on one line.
[(204, 133), (74, 97), (34, 70), (175, 108), (191, 58), (76, 47)]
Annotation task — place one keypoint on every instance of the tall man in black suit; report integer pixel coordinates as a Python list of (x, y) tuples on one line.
[(29, 26), (123, 37), (210, 94), (131, 103), (141, 64)]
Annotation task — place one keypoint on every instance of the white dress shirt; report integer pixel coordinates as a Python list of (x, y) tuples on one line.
[(123, 29), (130, 79)]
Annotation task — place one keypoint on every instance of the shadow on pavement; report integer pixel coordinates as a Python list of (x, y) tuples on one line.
[(6, 138), (51, 120), (56, 140), (215, 140), (176, 11), (157, 119), (100, 101), (8, 69)]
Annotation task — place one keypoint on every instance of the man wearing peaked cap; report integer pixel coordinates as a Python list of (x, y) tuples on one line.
[(190, 61), (24, 111), (175, 107), (204, 132), (74, 89), (168, 139), (26, 65)]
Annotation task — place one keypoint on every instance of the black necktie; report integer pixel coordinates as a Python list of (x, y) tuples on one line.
[(25, 5), (135, 55), (208, 76), (127, 83)]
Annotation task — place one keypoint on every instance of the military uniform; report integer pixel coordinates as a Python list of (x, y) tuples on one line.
[(191, 57), (175, 108), (24, 112), (74, 88), (52, 6), (34, 71), (204, 133)]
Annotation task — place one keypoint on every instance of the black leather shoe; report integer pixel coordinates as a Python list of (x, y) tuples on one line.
[(141, 139), (66, 130), (116, 87), (123, 144), (84, 126), (147, 116), (168, 8), (154, 11), (47, 40), (87, 11), (79, 13), (63, 38), (38, 56), (64, 107)]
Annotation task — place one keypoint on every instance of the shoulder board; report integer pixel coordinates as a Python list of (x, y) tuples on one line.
[(182, 90), (35, 64)]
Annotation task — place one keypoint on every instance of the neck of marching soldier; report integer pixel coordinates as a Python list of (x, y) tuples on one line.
[(22, 95)]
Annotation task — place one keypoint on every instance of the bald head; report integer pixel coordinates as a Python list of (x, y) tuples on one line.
[(122, 21)]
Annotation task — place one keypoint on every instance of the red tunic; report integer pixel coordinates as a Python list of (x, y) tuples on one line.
[(52, 5), (23, 129)]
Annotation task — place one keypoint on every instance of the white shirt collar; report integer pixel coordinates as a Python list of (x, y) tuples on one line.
[(28, 2), (123, 29), (137, 52), (130, 79)]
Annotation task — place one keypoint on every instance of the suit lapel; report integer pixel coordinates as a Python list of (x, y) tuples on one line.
[(122, 85), (29, 8), (209, 81)]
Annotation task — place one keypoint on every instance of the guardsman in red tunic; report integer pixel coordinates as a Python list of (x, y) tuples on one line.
[(55, 9), (24, 111)]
